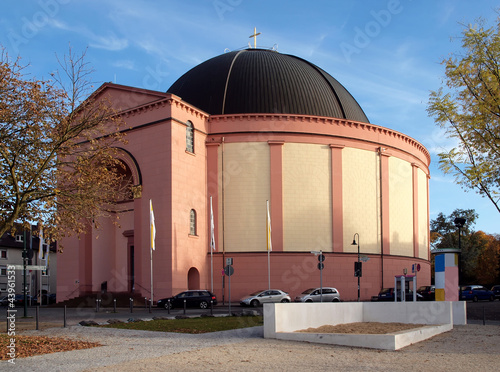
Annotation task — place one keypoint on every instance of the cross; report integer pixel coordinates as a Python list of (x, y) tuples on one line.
[(254, 37)]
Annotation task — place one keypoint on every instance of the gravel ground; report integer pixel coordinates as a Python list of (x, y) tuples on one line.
[(465, 348)]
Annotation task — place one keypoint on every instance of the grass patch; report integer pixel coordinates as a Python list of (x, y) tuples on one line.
[(192, 325)]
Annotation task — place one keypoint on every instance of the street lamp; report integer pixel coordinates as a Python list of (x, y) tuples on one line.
[(357, 265), (459, 223)]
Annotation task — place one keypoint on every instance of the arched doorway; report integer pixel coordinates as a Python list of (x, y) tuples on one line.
[(193, 278)]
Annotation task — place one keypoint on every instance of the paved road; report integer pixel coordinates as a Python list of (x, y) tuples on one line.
[(74, 316), (486, 311)]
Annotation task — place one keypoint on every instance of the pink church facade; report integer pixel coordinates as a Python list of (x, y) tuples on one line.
[(326, 179)]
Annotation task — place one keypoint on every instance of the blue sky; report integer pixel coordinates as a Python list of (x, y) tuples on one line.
[(387, 53)]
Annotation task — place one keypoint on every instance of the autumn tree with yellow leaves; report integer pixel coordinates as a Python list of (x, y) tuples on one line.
[(468, 108), (57, 149)]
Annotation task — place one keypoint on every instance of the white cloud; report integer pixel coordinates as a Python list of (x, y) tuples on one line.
[(108, 42), (124, 63)]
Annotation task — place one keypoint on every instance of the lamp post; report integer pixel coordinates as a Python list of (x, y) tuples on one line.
[(357, 265), (459, 223)]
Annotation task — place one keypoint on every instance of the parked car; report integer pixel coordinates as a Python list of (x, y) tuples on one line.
[(428, 292), (4, 300), (496, 291), (46, 298), (387, 294), (315, 295), (194, 298), (476, 293), (260, 297)]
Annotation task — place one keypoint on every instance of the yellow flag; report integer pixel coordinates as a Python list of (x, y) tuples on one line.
[(152, 225)]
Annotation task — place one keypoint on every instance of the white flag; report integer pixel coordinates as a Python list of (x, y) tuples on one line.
[(152, 226), (212, 229), (40, 247), (47, 251), (269, 244)]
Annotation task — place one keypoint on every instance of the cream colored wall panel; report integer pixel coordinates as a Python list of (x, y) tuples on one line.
[(361, 201), (401, 207), (423, 218), (307, 201), (246, 189)]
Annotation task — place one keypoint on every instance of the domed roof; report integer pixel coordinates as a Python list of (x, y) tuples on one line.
[(265, 81)]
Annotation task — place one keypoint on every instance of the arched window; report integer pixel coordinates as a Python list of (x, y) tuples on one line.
[(190, 137), (125, 186), (192, 222)]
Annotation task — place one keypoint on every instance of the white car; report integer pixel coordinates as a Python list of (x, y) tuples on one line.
[(316, 295), (260, 297)]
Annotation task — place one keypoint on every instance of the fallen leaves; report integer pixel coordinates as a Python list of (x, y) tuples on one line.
[(26, 346)]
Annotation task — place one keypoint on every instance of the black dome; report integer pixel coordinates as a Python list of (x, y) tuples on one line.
[(265, 81)]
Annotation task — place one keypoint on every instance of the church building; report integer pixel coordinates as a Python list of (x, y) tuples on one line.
[(238, 132)]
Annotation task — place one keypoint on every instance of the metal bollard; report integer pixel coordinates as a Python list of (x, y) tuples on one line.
[(145, 302), (184, 307), (37, 316), (114, 305), (168, 307), (150, 304), (211, 307), (64, 316), (131, 304)]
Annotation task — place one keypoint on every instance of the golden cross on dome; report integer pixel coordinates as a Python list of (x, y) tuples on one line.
[(255, 34)]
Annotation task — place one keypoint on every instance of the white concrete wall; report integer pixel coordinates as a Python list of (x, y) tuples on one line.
[(296, 316)]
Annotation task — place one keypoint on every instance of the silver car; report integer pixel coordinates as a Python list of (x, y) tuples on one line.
[(314, 295), (260, 297)]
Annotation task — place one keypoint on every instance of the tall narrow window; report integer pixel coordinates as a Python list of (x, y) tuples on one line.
[(190, 137), (192, 222)]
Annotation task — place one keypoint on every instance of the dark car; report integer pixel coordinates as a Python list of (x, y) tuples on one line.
[(476, 293), (427, 292), (496, 291), (387, 294), (192, 298), (46, 298), (4, 300), (18, 300)]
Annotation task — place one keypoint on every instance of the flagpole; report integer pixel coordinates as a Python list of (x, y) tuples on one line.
[(40, 258), (151, 254), (269, 270), (211, 247), (269, 246)]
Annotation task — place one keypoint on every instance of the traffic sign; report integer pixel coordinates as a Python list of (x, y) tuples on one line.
[(30, 267), (321, 265), (228, 270), (321, 257)]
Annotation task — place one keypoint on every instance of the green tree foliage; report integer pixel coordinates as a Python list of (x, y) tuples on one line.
[(469, 110), (487, 268), (57, 163), (479, 259)]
